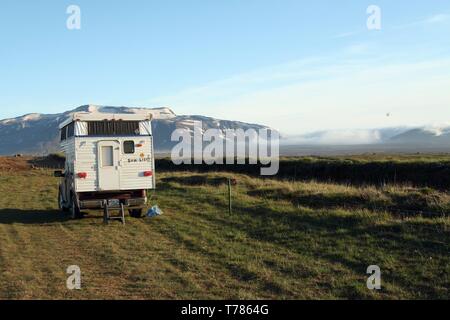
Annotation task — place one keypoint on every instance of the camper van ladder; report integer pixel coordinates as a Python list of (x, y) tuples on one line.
[(107, 216)]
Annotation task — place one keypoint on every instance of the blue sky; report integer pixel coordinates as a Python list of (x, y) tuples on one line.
[(296, 65)]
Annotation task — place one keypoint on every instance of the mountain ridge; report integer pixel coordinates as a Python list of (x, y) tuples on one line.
[(37, 133)]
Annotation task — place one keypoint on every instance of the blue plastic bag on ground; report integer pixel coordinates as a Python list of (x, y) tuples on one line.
[(154, 211)]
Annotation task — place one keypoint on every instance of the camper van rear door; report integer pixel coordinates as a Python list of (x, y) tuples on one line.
[(108, 165)]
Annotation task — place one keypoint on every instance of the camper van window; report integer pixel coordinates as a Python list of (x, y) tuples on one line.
[(71, 130), (113, 128), (128, 147), (63, 133), (107, 156)]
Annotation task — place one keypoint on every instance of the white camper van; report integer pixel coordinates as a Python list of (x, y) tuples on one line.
[(109, 162)]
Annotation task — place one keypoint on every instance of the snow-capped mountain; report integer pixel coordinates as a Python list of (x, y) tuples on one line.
[(38, 133), (437, 136)]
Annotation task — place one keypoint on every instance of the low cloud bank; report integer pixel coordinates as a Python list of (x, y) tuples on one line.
[(344, 137)]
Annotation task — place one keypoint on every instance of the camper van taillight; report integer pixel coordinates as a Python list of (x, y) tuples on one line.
[(148, 173), (82, 175)]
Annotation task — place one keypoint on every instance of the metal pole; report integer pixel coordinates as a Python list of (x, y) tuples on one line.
[(229, 196)]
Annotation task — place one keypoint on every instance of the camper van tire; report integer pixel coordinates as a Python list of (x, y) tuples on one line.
[(61, 205), (135, 213), (75, 212)]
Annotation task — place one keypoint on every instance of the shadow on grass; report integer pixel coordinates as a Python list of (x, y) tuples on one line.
[(268, 224), (400, 205), (198, 180), (388, 242), (11, 216), (52, 161), (325, 235)]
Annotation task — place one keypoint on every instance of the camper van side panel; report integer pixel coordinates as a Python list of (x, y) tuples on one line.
[(68, 148), (86, 161)]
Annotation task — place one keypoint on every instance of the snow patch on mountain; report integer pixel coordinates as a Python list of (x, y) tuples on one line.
[(437, 130)]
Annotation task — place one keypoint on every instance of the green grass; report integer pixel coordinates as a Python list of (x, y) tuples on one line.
[(284, 240), (427, 171)]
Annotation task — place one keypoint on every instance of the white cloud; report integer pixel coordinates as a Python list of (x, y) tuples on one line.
[(438, 18), (336, 137), (327, 94)]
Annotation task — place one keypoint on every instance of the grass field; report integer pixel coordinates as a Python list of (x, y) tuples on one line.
[(284, 240), (418, 170)]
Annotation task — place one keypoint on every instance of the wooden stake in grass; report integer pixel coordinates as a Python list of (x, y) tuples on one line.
[(229, 196)]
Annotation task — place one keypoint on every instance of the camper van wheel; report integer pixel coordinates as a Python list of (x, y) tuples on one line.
[(61, 202), (135, 213), (75, 212)]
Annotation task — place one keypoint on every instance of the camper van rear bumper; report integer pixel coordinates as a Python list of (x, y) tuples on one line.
[(100, 203)]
